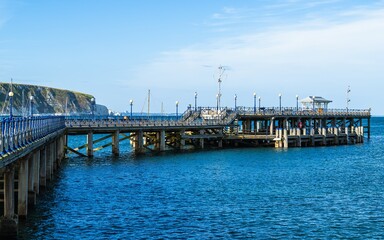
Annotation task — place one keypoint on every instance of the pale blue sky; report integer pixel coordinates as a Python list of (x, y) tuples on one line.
[(116, 50)]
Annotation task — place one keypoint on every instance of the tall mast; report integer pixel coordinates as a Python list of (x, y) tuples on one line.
[(162, 108), (348, 99), (149, 100), (66, 105), (23, 108), (219, 80)]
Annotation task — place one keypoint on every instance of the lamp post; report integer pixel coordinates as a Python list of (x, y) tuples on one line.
[(254, 103), (259, 103), (195, 101), (10, 94), (297, 102), (93, 107), (177, 110), (280, 102), (130, 103), (235, 102), (31, 105)]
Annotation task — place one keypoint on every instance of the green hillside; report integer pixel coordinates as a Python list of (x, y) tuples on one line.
[(46, 100)]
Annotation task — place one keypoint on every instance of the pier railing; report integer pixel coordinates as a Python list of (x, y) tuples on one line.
[(103, 123), (276, 111), (208, 116), (18, 132)]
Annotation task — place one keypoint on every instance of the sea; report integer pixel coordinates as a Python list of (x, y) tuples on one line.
[(334, 192)]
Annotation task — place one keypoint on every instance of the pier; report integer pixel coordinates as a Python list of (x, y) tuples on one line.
[(32, 148)]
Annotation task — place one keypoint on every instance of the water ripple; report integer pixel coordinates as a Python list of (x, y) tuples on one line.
[(312, 193)]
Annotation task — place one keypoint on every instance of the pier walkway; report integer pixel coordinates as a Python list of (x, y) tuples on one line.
[(32, 148)]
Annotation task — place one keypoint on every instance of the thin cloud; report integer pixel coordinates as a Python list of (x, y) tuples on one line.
[(273, 14), (295, 57), (5, 10)]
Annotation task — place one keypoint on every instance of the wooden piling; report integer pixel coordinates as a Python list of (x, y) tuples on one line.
[(116, 143), (90, 144), (23, 188), (43, 166), (8, 223)]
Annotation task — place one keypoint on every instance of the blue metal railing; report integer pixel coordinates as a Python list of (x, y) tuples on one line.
[(17, 132), (160, 117)]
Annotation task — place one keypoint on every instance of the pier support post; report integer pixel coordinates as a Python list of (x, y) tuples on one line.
[(139, 145), (61, 149), (115, 143), (312, 124), (360, 131), (43, 167), (361, 134), (54, 158), (90, 144), (324, 133), (48, 163), (202, 139), (65, 139), (285, 138), (162, 140), (247, 126), (279, 137), (22, 205), (257, 126), (8, 223), (312, 132), (182, 139), (298, 132), (285, 133), (31, 179), (272, 125), (347, 133), (220, 140), (36, 173), (157, 141), (336, 133)]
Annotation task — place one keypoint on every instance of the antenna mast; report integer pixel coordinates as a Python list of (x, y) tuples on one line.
[(219, 80), (162, 108), (348, 99)]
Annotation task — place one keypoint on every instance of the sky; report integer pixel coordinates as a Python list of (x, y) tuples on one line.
[(117, 50)]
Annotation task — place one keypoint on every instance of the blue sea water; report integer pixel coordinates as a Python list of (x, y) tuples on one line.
[(255, 193)]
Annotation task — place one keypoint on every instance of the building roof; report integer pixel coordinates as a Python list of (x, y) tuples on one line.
[(315, 99)]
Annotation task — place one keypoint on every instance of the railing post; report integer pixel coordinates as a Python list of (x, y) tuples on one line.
[(5, 136), (2, 137), (10, 135)]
